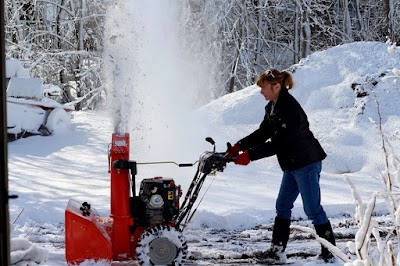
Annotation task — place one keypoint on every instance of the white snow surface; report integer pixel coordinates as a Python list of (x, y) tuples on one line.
[(25, 87), (45, 172), (14, 68)]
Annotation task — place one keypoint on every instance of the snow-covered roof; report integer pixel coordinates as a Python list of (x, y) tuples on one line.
[(31, 88)]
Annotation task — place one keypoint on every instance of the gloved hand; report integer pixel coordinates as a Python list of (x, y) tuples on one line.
[(232, 151), (243, 158)]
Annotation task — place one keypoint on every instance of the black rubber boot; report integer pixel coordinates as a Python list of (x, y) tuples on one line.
[(280, 233), (325, 231), (276, 254)]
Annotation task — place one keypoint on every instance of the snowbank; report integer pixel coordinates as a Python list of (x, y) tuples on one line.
[(337, 88), (24, 253)]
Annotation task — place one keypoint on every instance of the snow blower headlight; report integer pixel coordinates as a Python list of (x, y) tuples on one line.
[(156, 201)]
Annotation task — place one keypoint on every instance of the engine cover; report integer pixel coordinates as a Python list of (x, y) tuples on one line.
[(159, 200)]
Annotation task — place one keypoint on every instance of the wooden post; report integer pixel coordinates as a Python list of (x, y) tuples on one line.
[(4, 213)]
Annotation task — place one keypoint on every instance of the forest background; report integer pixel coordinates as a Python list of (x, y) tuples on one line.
[(231, 41)]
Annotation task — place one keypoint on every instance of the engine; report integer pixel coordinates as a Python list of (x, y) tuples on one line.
[(158, 201)]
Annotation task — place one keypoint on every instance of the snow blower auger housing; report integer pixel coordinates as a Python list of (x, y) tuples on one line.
[(147, 227)]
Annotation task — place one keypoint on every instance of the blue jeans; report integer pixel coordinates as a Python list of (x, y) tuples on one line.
[(303, 181)]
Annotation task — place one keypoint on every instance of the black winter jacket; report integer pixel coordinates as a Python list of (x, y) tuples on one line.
[(285, 132)]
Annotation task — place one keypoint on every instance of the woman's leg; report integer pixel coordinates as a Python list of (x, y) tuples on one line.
[(288, 194), (308, 183), (307, 179), (280, 235), (284, 204)]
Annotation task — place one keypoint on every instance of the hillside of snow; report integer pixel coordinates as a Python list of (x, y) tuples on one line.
[(339, 88)]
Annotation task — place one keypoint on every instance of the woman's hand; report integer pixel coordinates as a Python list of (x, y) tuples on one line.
[(232, 151), (243, 158)]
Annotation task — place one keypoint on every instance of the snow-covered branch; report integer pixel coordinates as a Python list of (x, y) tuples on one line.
[(68, 11), (358, 201), (335, 250), (362, 239)]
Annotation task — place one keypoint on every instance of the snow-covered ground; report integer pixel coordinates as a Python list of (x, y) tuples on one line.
[(339, 89)]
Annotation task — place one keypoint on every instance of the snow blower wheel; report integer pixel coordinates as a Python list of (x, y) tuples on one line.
[(161, 245)]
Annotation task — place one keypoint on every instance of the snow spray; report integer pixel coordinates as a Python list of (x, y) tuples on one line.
[(152, 83)]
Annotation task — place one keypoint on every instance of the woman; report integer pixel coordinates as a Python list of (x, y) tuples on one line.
[(285, 132)]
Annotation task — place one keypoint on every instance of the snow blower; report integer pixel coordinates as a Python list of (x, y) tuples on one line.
[(148, 227)]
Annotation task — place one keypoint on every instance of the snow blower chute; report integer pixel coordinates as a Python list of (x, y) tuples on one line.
[(148, 227)]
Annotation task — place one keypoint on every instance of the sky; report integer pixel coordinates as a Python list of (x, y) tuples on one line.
[(46, 172)]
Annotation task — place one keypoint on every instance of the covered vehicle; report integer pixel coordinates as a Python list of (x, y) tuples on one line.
[(29, 111)]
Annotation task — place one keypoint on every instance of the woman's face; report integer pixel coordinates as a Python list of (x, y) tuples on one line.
[(270, 91)]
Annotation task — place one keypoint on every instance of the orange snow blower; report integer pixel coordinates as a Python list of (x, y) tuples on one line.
[(148, 227)]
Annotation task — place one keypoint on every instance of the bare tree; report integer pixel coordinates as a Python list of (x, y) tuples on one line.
[(55, 36), (231, 41)]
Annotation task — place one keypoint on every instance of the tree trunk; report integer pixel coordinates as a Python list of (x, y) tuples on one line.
[(390, 19), (296, 36), (347, 21), (19, 30), (306, 30), (360, 19)]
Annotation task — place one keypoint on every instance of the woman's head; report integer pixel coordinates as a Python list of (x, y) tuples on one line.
[(272, 81), (274, 76)]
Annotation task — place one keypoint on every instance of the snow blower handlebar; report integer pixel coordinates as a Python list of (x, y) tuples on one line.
[(171, 162), (209, 163)]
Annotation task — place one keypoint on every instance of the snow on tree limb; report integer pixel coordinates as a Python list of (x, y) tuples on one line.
[(335, 250), (364, 233), (358, 201)]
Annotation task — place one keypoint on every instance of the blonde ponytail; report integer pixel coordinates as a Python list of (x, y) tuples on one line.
[(287, 81), (275, 76)]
